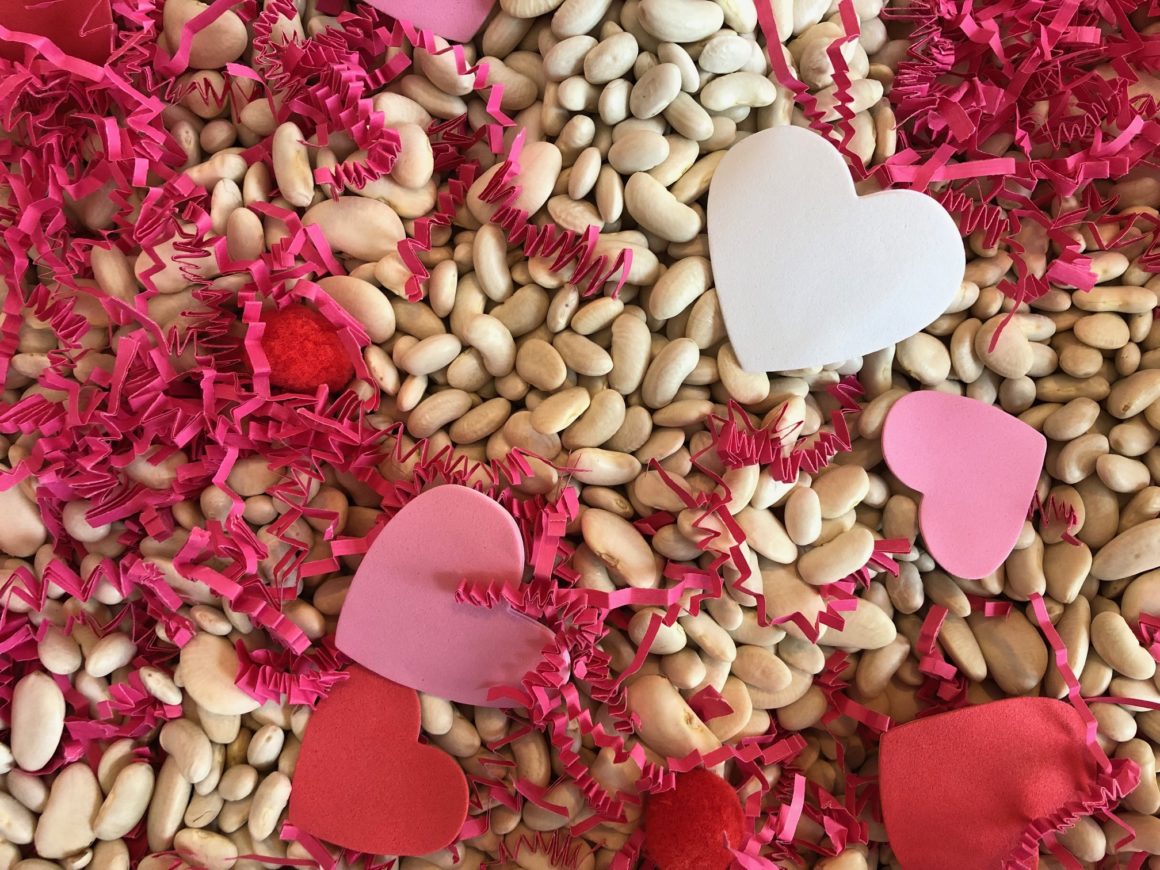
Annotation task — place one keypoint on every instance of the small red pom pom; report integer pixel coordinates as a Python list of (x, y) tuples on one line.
[(304, 350), (686, 828)]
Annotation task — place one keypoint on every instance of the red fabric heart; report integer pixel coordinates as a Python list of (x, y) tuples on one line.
[(82, 28), (363, 780), (979, 788), (304, 350)]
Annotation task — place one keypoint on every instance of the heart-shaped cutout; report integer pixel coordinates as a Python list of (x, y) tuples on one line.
[(364, 782), (81, 28), (402, 621), (809, 273), (456, 20), (976, 467), (961, 789)]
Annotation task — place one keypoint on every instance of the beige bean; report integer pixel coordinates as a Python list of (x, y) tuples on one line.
[(560, 410), (605, 416), (867, 626), (206, 848), (1135, 551), (16, 822), (603, 467), (291, 162), (490, 337), (1117, 645), (126, 802), (1133, 394), (269, 801), (748, 388), (213, 47), (656, 209), (208, 667), (668, 371), (766, 535), (1145, 798), (58, 652), (667, 724), (760, 667), (430, 354), (583, 356), (742, 88), (66, 825), (630, 353), (415, 162), (37, 720), (481, 421), (803, 516), (839, 558), (621, 547), (436, 411), (111, 652), (364, 302), (669, 639), (639, 151), (680, 20), (189, 747), (366, 229), (1015, 653)]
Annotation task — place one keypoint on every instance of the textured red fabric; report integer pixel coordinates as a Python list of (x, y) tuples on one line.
[(960, 789), (363, 780), (82, 28), (304, 350), (686, 828)]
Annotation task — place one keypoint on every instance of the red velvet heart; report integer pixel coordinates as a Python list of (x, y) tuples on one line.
[(972, 788), (82, 28), (363, 780)]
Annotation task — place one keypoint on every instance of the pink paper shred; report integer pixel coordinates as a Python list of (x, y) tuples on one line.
[(1015, 115)]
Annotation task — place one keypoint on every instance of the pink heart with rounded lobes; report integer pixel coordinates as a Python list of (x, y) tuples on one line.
[(401, 620), (976, 467)]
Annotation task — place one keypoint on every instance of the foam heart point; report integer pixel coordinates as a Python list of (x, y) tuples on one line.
[(809, 273), (364, 782), (452, 19), (976, 467), (401, 619)]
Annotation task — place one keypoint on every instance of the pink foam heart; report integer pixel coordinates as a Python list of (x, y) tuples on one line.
[(976, 467), (401, 619), (452, 19)]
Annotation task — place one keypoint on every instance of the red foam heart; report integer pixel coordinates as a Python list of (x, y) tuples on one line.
[(363, 780), (963, 789), (401, 619), (304, 350), (82, 28), (687, 828)]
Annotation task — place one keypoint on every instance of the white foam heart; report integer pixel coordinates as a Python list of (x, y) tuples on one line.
[(810, 273)]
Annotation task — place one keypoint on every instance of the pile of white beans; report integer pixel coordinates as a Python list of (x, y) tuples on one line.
[(629, 106)]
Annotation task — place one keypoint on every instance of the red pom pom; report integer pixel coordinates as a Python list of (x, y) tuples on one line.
[(304, 350), (686, 828)]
